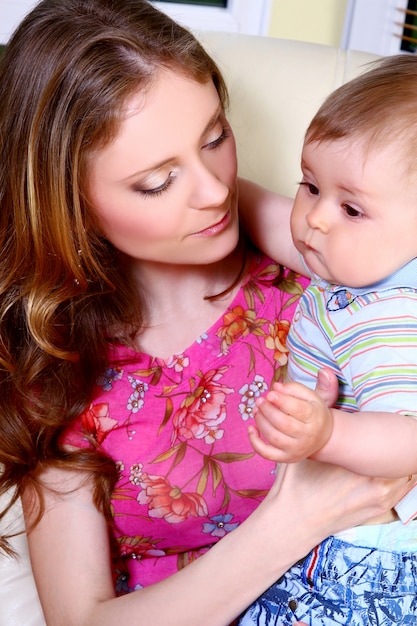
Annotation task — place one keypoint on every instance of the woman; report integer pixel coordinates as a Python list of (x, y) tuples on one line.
[(121, 246)]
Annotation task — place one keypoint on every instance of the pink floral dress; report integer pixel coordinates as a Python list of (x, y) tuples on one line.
[(177, 429)]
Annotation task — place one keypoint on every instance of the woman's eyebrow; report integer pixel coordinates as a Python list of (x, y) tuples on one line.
[(212, 122)]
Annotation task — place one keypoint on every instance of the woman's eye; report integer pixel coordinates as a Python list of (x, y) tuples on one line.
[(219, 140), (351, 212), (311, 188), (156, 191)]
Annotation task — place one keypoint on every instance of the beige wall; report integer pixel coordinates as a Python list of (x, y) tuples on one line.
[(319, 21)]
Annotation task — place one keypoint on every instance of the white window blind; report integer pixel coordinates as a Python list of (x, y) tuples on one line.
[(407, 21), (380, 26)]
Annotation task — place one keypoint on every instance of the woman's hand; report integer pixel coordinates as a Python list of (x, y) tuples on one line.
[(332, 498)]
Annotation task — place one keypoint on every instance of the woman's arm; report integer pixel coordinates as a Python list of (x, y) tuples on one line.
[(71, 558), (266, 218)]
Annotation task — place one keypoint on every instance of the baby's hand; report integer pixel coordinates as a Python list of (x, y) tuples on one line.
[(293, 422)]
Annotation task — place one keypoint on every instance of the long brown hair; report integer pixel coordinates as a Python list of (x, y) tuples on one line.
[(64, 78)]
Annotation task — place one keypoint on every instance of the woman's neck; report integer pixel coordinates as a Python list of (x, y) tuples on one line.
[(177, 309)]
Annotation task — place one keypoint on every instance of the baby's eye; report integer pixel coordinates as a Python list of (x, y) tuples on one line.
[(311, 188), (351, 211)]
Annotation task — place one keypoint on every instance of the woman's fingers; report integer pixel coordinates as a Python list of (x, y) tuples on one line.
[(339, 498)]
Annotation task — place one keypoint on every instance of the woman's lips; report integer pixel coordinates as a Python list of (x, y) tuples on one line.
[(216, 228)]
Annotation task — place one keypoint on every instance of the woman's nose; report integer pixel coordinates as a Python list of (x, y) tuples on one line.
[(209, 190)]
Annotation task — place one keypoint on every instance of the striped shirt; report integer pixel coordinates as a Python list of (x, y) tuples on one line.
[(367, 336)]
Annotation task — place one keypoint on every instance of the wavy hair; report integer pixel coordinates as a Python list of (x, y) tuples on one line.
[(64, 293)]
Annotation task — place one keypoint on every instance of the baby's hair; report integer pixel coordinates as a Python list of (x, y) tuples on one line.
[(65, 78), (379, 105)]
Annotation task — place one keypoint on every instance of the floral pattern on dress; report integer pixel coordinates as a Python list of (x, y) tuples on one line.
[(177, 429)]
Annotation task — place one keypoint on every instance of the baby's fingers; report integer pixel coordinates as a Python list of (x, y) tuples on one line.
[(264, 449), (296, 390), (273, 422), (285, 411)]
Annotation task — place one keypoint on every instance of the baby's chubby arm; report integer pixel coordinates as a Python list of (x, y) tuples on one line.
[(372, 443), (266, 218)]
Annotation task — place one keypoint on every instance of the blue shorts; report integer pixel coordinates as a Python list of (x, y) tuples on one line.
[(341, 583)]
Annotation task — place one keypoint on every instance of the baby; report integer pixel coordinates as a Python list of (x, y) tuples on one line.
[(354, 222)]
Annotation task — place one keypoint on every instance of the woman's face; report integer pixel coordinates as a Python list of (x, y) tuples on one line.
[(165, 190)]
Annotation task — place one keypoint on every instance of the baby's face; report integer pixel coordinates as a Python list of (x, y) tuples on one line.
[(355, 213)]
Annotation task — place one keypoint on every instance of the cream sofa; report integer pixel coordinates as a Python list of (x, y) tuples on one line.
[(275, 86)]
